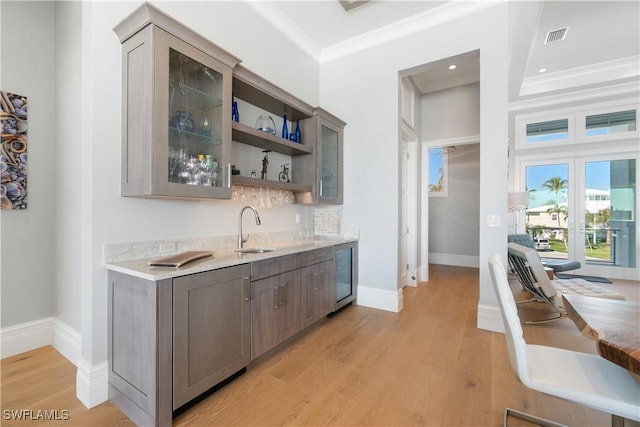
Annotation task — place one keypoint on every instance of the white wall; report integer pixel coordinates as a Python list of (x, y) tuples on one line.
[(451, 113), (362, 89), (27, 236)]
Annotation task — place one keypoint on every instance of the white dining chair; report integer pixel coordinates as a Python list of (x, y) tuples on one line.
[(586, 379)]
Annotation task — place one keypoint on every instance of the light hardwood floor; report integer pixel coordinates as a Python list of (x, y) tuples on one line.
[(428, 365)]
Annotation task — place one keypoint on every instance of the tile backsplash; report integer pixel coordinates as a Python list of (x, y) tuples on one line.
[(327, 221)]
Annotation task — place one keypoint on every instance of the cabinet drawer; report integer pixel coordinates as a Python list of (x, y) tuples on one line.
[(273, 266), (315, 256)]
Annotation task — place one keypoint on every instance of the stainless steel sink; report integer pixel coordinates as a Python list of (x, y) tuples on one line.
[(255, 250)]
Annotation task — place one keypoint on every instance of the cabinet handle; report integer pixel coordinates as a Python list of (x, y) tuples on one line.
[(246, 284), (228, 175), (276, 297), (282, 295), (321, 187)]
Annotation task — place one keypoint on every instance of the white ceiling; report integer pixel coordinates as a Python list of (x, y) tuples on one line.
[(601, 46)]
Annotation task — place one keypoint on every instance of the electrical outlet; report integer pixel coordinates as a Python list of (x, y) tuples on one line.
[(297, 218), (166, 247)]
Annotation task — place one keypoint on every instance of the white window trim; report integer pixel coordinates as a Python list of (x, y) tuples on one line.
[(576, 117)]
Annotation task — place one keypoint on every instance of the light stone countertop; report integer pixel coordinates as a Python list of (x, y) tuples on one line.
[(220, 259)]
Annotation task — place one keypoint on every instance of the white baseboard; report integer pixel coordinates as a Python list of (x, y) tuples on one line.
[(26, 336), (66, 340), (92, 383), (490, 318), (38, 333), (380, 299), (456, 260)]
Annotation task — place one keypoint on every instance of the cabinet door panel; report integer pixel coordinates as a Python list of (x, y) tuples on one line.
[(211, 330), (309, 289), (326, 272), (289, 307), (264, 315)]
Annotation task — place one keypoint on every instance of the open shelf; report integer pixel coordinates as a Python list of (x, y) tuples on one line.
[(257, 91), (257, 138), (256, 182)]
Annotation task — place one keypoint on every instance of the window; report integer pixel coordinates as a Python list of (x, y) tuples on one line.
[(438, 166), (608, 123), (596, 123), (548, 131)]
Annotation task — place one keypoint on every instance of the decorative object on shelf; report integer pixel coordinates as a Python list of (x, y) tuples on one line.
[(284, 173), (206, 127), (234, 171), (266, 124), (235, 114), (182, 120), (13, 151), (265, 164), (285, 129), (297, 133), (254, 173)]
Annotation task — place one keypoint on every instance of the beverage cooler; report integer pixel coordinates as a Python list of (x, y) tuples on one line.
[(346, 274)]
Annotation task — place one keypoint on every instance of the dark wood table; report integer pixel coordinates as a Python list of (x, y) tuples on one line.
[(614, 324)]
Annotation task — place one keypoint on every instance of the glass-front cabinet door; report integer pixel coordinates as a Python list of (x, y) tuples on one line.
[(194, 98), (176, 126), (329, 158)]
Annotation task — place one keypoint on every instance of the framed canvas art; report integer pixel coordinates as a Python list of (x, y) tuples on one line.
[(13, 151)]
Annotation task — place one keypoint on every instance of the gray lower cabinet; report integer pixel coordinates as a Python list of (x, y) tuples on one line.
[(171, 340), (316, 291), (275, 306), (211, 330)]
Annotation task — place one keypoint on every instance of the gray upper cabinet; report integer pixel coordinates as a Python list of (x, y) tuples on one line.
[(176, 132), (324, 170)]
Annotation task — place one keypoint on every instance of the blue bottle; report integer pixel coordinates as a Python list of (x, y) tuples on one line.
[(285, 130), (297, 133)]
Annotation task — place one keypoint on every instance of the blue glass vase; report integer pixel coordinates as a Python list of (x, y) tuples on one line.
[(285, 130), (297, 133)]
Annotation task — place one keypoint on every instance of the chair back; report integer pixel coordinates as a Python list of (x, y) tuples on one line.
[(530, 268), (516, 345), (521, 239)]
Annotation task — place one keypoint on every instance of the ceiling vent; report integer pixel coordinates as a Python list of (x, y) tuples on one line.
[(556, 35)]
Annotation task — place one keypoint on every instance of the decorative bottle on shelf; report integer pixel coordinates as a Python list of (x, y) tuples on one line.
[(285, 130), (297, 133), (235, 114)]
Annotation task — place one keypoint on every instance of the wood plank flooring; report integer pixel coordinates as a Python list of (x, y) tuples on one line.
[(428, 365)]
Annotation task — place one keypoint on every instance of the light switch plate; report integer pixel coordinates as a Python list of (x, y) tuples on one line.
[(493, 220)]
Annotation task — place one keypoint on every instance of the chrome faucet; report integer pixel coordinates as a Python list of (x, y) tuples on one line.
[(241, 239)]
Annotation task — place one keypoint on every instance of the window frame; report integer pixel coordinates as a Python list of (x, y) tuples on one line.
[(576, 118)]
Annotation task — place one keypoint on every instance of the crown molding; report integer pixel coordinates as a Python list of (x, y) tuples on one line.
[(581, 76), (616, 90), (289, 28), (429, 18), (446, 12)]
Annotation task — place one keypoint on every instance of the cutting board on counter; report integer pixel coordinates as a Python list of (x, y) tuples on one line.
[(180, 259)]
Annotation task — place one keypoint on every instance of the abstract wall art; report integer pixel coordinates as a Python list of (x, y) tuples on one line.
[(13, 151)]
